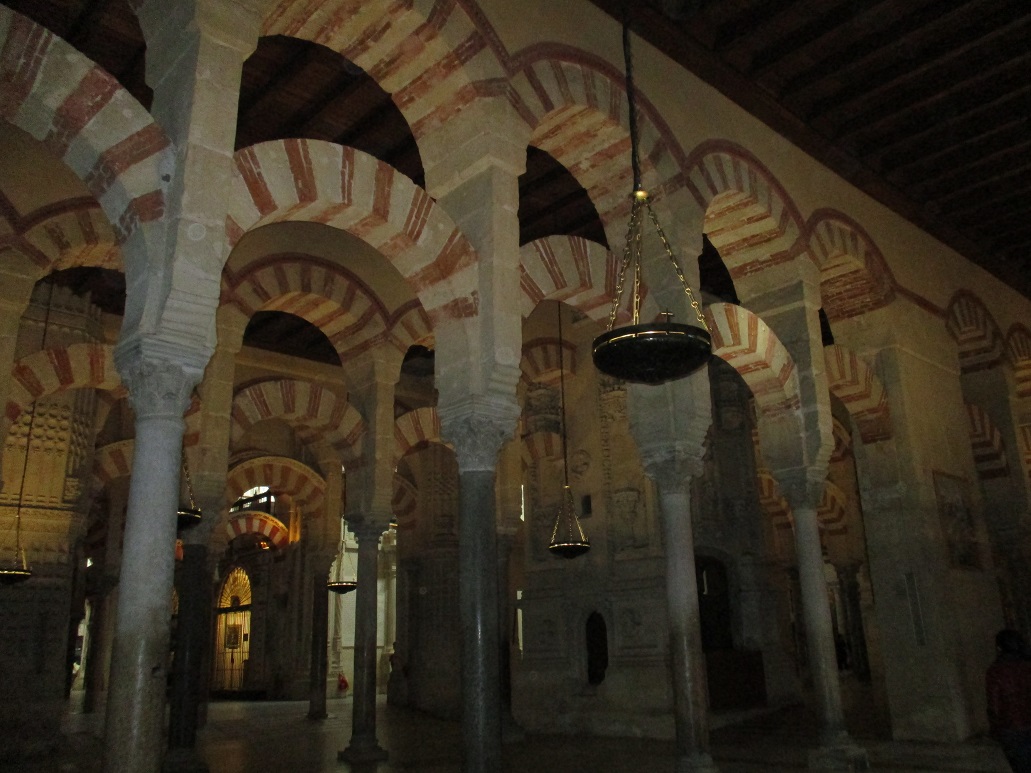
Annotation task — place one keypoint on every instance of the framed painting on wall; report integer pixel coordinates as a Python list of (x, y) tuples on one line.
[(957, 521)]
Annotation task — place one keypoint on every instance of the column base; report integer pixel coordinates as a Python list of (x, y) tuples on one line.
[(362, 751), (839, 757), (183, 760), (696, 763)]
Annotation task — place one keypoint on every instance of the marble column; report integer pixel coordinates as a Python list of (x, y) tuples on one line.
[(319, 635), (478, 435), (133, 739), (672, 475), (192, 637), (364, 747), (836, 750)]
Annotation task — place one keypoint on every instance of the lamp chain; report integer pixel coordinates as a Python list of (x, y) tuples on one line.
[(189, 481)]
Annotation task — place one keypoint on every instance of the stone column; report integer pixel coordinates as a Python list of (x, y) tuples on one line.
[(478, 435), (836, 749), (320, 566), (159, 392), (192, 639), (672, 474), (364, 747)]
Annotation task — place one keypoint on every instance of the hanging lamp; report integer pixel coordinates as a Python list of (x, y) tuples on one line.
[(568, 539), (344, 584), (187, 516), (649, 352)]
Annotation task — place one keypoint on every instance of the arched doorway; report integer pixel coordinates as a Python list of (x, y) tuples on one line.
[(232, 632)]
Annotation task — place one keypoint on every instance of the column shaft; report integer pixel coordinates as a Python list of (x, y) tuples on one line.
[(192, 634), (690, 690), (133, 740), (478, 602), (364, 747), (819, 626), (319, 641)]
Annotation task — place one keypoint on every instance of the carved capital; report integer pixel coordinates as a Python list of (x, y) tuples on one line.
[(477, 432), (158, 388), (367, 531), (671, 466)]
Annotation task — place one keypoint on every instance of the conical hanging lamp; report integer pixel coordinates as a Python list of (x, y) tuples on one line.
[(187, 516), (649, 352), (568, 539), (344, 583)]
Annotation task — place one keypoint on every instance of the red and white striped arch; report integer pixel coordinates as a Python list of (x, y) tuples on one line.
[(540, 360), (977, 335), (747, 344), (853, 382), (284, 476), (85, 118), (259, 523), (749, 217), (57, 370), (832, 511), (113, 461), (415, 429), (986, 444), (1018, 351), (854, 277), (842, 441), (318, 414), (404, 503), (538, 446), (577, 106), (434, 59), (313, 181), (773, 502), (73, 232), (577, 272)]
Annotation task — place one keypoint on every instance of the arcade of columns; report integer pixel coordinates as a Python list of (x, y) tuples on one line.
[(924, 388)]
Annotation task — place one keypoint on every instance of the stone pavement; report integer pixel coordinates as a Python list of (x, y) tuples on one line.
[(277, 737)]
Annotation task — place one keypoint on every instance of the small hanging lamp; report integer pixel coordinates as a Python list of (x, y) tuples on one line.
[(649, 352), (344, 583), (187, 516), (567, 537)]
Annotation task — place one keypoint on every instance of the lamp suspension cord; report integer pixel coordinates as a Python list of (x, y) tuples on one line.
[(628, 59), (562, 397)]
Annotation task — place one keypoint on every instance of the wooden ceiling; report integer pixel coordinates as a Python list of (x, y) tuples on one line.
[(924, 104)]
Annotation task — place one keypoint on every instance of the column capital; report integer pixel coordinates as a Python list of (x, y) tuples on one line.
[(673, 465), (803, 487), (477, 428), (367, 530), (157, 387)]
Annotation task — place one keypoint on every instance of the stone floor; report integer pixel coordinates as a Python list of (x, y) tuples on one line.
[(260, 737)]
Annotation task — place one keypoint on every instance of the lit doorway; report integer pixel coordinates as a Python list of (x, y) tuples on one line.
[(232, 632)]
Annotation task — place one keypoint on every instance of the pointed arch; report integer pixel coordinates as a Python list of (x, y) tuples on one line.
[(318, 414), (977, 335), (319, 182), (854, 276), (746, 343), (853, 382)]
